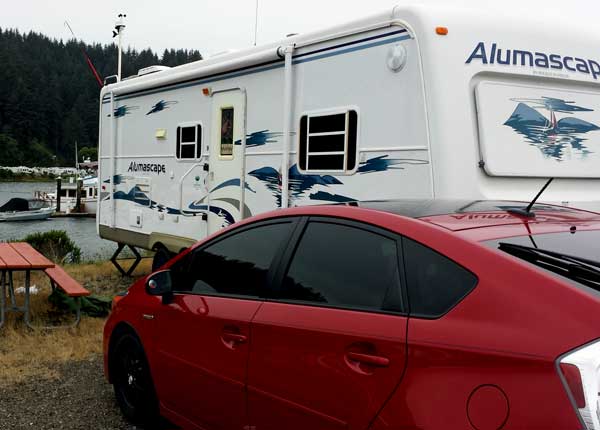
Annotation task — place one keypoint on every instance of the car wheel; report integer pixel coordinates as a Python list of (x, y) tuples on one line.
[(132, 382), (161, 256)]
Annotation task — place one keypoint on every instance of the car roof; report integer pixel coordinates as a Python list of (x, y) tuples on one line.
[(458, 215), (482, 220), (475, 220)]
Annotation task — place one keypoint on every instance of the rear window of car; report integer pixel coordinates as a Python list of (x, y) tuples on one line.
[(435, 283), (582, 245)]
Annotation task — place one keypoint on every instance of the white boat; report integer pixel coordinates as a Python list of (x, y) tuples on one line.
[(68, 196), (18, 209)]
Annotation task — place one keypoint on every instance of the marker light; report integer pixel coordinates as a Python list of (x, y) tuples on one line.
[(580, 373), (442, 31), (206, 91)]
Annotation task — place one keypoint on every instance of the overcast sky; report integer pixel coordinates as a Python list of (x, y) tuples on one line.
[(213, 26)]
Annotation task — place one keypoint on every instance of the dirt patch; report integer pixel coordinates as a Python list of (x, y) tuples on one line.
[(78, 397)]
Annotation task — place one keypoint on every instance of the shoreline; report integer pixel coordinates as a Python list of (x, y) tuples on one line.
[(28, 179)]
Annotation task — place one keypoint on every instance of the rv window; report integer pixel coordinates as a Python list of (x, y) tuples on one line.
[(328, 142), (227, 132), (189, 142)]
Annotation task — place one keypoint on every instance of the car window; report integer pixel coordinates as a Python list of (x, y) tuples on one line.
[(435, 283), (343, 266), (237, 265), (577, 244)]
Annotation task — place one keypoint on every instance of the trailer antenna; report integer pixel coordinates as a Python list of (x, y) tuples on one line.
[(256, 23), (87, 57), (118, 31)]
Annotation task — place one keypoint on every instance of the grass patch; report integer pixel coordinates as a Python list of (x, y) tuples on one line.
[(26, 353)]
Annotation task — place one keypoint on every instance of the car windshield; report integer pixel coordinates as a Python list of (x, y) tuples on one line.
[(573, 256)]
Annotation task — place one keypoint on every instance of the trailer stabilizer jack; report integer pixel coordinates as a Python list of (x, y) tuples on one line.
[(115, 261)]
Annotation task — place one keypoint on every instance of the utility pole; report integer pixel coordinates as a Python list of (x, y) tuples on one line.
[(118, 32)]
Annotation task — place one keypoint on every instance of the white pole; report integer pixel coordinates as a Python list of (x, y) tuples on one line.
[(287, 124), (120, 54), (118, 32)]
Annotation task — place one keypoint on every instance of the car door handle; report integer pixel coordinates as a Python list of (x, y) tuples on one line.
[(371, 360), (235, 338)]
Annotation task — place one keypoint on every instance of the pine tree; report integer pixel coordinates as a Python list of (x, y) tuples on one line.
[(49, 98)]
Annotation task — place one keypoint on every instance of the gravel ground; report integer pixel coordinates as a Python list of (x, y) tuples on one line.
[(79, 399)]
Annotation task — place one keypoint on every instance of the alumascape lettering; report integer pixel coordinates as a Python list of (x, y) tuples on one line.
[(147, 167), (516, 57)]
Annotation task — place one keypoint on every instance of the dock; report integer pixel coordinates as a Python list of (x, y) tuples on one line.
[(72, 215)]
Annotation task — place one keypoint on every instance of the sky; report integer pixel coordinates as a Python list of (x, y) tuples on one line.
[(214, 26)]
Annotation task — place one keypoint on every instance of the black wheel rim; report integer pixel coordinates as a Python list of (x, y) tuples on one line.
[(132, 376)]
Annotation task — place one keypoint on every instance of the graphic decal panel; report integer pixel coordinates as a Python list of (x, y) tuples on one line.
[(546, 132), (538, 132)]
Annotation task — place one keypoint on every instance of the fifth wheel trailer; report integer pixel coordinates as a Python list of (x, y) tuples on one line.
[(419, 102)]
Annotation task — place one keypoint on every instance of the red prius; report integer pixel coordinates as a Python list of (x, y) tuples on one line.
[(383, 315)]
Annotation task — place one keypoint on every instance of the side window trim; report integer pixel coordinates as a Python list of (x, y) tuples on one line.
[(285, 257), (293, 220), (288, 254)]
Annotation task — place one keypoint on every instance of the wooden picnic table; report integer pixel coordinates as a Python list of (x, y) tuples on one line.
[(15, 257)]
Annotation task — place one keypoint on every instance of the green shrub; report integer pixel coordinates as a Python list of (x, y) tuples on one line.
[(55, 245)]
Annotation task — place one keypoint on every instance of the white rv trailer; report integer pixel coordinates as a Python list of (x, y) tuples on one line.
[(418, 102)]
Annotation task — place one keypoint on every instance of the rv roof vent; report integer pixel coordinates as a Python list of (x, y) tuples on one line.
[(219, 54), (152, 69)]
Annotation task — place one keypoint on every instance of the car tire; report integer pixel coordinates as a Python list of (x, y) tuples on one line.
[(132, 382), (161, 256)]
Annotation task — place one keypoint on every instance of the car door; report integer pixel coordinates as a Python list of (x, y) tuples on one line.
[(329, 347), (204, 333)]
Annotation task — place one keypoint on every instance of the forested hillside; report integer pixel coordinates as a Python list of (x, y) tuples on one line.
[(49, 97)]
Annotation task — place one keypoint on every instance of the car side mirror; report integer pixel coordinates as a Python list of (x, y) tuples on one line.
[(160, 284)]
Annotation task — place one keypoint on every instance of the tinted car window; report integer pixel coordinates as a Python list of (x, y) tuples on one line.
[(237, 265), (344, 266), (580, 244), (435, 283)]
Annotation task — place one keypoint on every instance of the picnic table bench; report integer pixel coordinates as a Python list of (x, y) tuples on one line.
[(20, 256)]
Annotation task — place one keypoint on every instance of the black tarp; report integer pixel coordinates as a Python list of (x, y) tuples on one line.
[(15, 205)]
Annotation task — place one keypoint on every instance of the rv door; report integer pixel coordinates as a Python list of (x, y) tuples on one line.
[(226, 160)]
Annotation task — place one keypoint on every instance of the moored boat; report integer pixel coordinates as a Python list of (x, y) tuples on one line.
[(68, 196), (18, 209)]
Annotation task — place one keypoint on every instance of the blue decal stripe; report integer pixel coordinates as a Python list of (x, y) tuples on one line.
[(230, 183), (279, 64), (353, 49), (354, 42)]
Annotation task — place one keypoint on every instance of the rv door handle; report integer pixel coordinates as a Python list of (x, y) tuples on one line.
[(205, 167)]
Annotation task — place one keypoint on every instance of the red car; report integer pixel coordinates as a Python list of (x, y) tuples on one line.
[(391, 315)]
